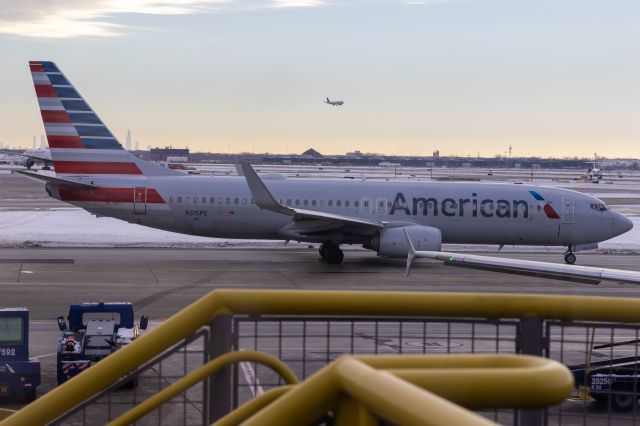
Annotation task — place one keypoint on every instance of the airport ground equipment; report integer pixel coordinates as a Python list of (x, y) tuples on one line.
[(613, 381), (308, 330), (19, 376), (93, 331)]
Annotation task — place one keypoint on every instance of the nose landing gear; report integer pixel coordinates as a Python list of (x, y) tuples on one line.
[(569, 257), (331, 253)]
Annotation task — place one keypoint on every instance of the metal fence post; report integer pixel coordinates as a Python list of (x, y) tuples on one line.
[(531, 342), (219, 385)]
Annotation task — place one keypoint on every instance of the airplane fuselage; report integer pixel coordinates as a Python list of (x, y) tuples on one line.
[(470, 213)]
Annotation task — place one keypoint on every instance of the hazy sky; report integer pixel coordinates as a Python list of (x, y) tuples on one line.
[(549, 77)]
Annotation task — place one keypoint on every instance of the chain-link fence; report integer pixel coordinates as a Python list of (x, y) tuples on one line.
[(602, 356)]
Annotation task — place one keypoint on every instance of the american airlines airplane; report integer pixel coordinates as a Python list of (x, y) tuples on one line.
[(395, 219)]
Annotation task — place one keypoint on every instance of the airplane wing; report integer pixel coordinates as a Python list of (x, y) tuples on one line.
[(305, 221), (575, 273), (53, 179)]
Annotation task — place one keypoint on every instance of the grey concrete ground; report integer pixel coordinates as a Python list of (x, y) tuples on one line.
[(160, 282)]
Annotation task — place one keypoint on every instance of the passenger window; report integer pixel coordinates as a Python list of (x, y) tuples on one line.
[(220, 200), (356, 203), (180, 199), (204, 200), (313, 202), (346, 203), (187, 200), (236, 201), (254, 201), (228, 200), (171, 199), (381, 204), (297, 202), (338, 203), (306, 202), (244, 201), (195, 200), (321, 203), (330, 203), (212, 200), (365, 203), (288, 202), (389, 204)]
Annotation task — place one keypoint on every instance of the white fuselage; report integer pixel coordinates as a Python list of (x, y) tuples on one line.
[(471, 213)]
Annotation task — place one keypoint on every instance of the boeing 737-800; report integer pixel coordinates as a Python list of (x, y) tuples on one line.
[(94, 172)]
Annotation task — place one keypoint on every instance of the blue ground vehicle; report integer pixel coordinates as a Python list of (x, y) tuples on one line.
[(94, 331), (19, 376)]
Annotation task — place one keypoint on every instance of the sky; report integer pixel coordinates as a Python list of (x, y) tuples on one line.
[(466, 77)]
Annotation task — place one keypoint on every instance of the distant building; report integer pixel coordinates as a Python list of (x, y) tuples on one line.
[(161, 154), (312, 153)]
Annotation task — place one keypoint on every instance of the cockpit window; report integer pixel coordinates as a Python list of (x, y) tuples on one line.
[(599, 207)]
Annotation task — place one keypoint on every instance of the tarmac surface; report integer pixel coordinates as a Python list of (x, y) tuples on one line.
[(162, 281)]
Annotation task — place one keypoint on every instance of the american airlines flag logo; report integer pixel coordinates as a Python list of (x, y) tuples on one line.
[(229, 212), (548, 209)]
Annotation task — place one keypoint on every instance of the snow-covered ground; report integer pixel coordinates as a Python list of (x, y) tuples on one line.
[(73, 227)]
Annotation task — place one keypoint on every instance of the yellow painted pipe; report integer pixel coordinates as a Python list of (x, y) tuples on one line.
[(398, 401), (199, 374), (351, 412), (252, 406), (292, 302)]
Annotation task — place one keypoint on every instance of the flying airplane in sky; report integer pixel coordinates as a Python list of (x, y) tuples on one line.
[(32, 155), (334, 103), (93, 171)]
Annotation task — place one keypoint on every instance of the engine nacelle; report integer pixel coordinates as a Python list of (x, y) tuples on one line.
[(392, 242)]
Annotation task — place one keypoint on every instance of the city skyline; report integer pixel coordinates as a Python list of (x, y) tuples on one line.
[(465, 77)]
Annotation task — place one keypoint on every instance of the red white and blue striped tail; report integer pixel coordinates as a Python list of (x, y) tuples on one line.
[(81, 145)]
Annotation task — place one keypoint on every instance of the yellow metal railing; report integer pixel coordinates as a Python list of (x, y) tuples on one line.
[(285, 302), (392, 387), (199, 375), (422, 389)]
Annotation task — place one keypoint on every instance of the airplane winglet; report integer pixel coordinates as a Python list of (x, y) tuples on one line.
[(260, 192), (411, 254)]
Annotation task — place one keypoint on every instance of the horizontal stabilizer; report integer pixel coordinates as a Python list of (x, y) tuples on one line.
[(53, 179)]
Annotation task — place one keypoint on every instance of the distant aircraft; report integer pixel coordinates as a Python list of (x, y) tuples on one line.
[(94, 172), (594, 173), (33, 155), (334, 103)]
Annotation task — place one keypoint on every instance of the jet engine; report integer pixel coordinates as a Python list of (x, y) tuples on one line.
[(392, 242)]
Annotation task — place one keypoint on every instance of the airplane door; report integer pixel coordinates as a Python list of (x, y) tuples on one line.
[(366, 205), (381, 206), (140, 200), (567, 210)]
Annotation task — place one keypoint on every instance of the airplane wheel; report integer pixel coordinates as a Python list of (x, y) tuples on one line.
[(333, 254), (570, 258), (29, 164), (323, 250)]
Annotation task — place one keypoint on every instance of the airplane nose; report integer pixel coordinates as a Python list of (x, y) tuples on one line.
[(621, 224)]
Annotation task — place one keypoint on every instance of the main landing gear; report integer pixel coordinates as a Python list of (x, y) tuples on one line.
[(569, 257), (331, 253)]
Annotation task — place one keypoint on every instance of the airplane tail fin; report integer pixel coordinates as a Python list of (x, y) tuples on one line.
[(328, 101), (80, 142)]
